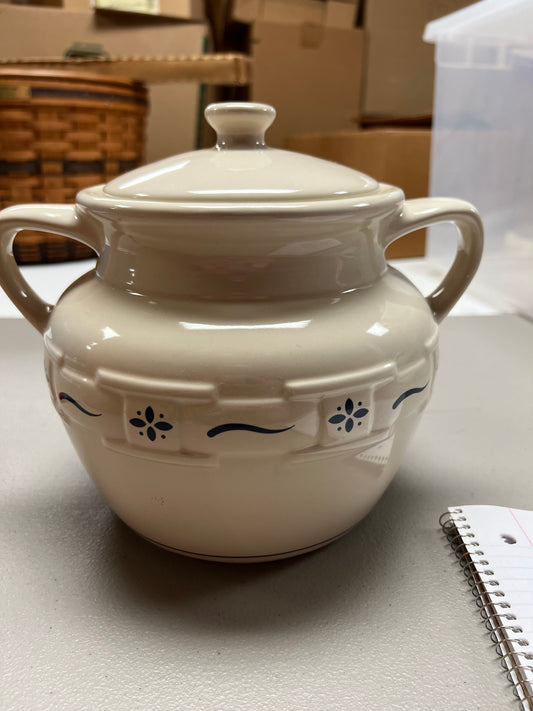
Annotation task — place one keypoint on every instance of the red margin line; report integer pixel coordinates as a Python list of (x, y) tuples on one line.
[(521, 527)]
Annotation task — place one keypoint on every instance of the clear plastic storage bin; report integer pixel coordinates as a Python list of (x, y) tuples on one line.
[(482, 146)]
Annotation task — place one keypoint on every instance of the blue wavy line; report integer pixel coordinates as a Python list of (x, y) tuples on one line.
[(66, 396), (249, 428), (407, 393)]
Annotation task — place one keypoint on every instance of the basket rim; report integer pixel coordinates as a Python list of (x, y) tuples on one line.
[(67, 75)]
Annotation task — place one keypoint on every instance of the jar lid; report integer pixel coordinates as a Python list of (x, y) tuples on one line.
[(240, 169)]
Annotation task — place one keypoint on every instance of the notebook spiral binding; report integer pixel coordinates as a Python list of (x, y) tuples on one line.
[(495, 614)]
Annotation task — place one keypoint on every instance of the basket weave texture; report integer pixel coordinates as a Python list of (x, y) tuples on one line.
[(61, 132)]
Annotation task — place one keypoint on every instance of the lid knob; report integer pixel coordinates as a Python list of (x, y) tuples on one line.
[(240, 124)]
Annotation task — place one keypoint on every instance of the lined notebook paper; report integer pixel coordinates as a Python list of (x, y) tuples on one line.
[(494, 546)]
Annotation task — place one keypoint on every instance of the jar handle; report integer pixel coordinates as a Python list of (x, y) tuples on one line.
[(65, 220), (423, 212)]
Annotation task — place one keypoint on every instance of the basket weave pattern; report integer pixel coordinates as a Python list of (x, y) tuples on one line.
[(61, 132)]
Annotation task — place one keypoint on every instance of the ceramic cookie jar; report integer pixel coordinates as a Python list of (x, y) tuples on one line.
[(241, 373)]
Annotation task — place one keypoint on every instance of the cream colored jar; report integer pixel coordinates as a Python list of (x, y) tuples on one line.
[(241, 374)]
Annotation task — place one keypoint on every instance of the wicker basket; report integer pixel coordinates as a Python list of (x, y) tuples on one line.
[(61, 132)]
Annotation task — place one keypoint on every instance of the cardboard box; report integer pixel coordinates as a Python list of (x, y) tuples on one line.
[(78, 5), (47, 32), (398, 156), (399, 66), (190, 10), (333, 13), (310, 74), (341, 14), (186, 10)]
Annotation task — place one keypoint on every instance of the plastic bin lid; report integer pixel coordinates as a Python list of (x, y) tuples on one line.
[(486, 20)]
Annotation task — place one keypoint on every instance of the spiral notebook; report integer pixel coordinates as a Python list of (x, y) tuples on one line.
[(494, 546)]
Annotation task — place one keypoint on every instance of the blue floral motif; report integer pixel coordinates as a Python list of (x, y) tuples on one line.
[(151, 426), (350, 415)]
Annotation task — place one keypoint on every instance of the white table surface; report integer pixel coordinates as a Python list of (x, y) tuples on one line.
[(96, 619)]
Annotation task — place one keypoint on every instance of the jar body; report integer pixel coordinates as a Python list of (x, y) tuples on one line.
[(241, 430), (242, 373)]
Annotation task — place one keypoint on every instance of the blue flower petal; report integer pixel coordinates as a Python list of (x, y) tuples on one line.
[(349, 425), (149, 414), (361, 413), (336, 419), (151, 434), (136, 422), (165, 426), (348, 406)]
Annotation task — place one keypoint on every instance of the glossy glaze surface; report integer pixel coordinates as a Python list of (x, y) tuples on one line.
[(254, 413), (242, 373), (241, 168)]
